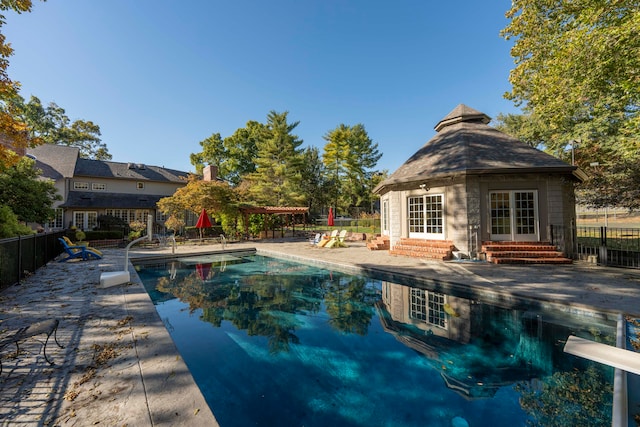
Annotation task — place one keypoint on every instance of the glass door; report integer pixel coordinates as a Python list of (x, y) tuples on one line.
[(425, 216), (514, 215)]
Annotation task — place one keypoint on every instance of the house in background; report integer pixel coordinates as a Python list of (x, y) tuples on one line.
[(474, 190), (89, 188)]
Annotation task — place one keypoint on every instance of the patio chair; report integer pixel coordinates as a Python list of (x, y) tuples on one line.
[(342, 236), (333, 238), (70, 243), (78, 252), (315, 240)]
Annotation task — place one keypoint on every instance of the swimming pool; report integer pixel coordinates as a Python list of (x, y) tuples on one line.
[(273, 342)]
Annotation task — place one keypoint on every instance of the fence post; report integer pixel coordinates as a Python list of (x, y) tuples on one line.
[(603, 256), (19, 274)]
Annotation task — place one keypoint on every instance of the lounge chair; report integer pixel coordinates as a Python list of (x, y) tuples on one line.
[(315, 240), (78, 252), (342, 236), (332, 239), (70, 243)]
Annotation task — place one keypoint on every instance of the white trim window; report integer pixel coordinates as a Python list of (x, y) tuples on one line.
[(129, 215), (79, 185), (57, 221), (385, 217), (98, 186), (140, 185), (85, 220), (425, 216)]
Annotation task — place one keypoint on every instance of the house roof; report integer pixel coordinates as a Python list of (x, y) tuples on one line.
[(133, 171), (95, 200), (60, 161), (465, 144), (55, 161)]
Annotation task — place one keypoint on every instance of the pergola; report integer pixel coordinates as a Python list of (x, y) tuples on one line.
[(271, 210)]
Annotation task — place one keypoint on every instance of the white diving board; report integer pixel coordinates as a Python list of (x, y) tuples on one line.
[(620, 358)]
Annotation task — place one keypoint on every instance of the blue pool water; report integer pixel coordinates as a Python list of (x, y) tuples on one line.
[(275, 343)]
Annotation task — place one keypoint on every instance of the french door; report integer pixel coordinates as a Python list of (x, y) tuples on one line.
[(425, 216), (514, 215)]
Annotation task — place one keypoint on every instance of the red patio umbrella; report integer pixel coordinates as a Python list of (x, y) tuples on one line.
[(330, 217), (203, 221)]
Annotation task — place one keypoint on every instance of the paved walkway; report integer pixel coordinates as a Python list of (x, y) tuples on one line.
[(120, 367)]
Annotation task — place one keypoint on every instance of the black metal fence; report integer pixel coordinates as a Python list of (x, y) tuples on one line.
[(20, 256), (610, 246)]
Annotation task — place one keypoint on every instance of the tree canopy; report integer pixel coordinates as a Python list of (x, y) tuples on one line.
[(28, 197), (13, 131), (266, 165), (51, 125), (577, 78), (349, 156)]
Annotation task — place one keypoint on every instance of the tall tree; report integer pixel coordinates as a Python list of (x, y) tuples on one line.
[(213, 153), (29, 197), (577, 70), (278, 164), (51, 125), (349, 156), (234, 155), (313, 183), (577, 78), (13, 130)]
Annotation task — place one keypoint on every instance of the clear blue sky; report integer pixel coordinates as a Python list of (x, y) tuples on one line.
[(159, 76)]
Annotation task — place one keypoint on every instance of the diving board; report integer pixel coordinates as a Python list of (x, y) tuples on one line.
[(613, 356)]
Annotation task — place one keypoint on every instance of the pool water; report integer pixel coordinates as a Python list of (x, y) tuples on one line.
[(276, 343)]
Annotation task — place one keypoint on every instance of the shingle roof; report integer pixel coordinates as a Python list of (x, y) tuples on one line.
[(55, 161), (134, 171), (465, 144), (95, 200)]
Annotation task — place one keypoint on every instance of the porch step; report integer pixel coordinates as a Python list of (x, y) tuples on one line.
[(379, 243), (523, 253), (441, 250)]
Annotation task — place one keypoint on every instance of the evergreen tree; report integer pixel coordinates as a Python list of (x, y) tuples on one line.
[(276, 181), (349, 156)]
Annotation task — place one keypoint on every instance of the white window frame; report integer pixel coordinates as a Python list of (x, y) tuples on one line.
[(80, 185), (506, 215), (85, 220), (140, 185), (425, 216), (57, 222), (98, 186)]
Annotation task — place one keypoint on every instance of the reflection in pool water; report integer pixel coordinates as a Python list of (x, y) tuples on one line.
[(272, 342)]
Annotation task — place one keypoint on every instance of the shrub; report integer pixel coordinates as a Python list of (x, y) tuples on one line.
[(10, 226)]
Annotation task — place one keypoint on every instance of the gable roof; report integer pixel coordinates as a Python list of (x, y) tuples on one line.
[(465, 144), (60, 161), (55, 161)]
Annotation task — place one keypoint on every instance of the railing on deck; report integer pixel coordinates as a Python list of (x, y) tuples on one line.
[(610, 246), (20, 256)]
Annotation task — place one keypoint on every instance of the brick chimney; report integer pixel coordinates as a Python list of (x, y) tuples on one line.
[(210, 173)]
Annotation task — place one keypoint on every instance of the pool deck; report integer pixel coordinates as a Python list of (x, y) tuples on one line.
[(120, 367)]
